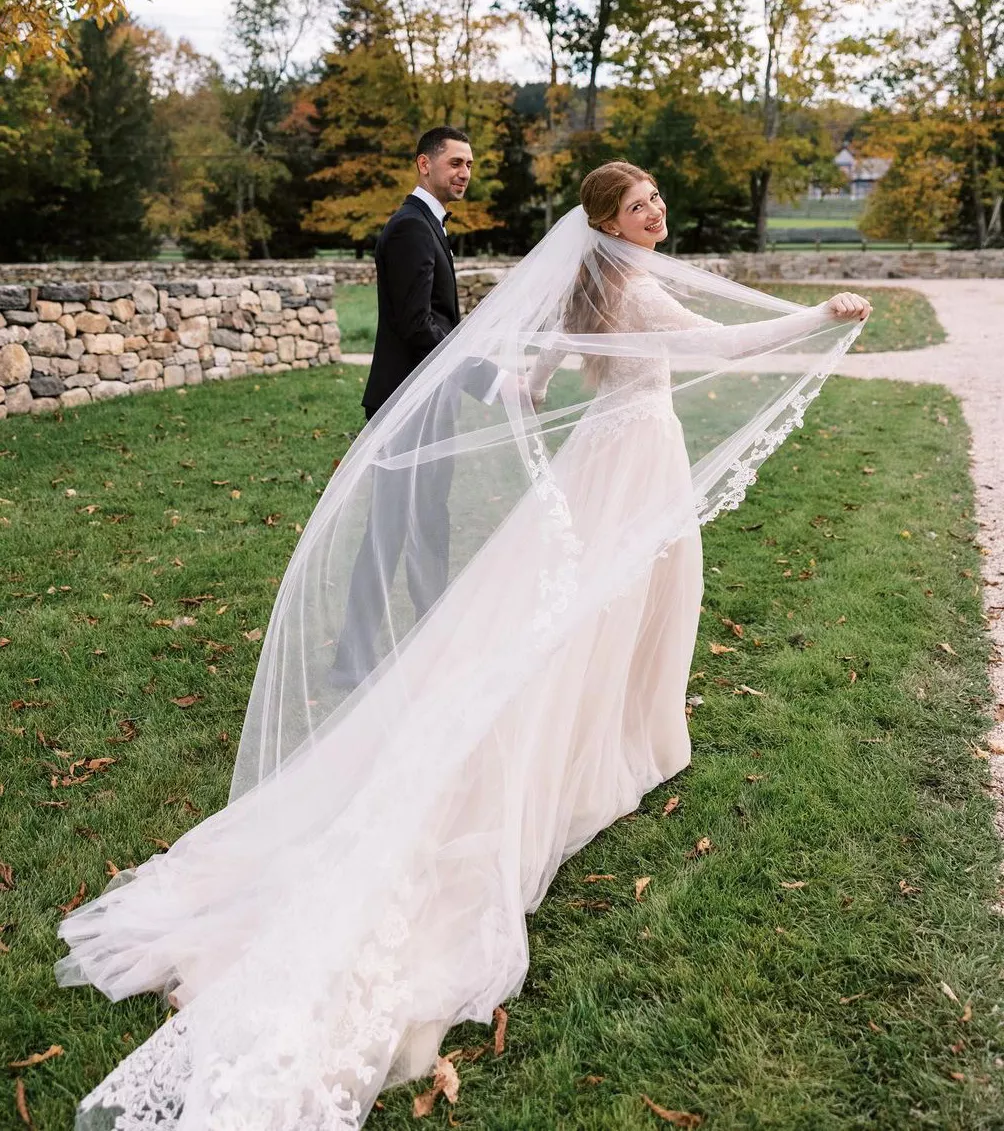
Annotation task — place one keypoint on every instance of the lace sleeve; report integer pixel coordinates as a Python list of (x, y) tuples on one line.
[(650, 308)]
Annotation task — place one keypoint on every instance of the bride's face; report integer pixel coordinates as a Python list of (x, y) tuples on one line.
[(641, 218)]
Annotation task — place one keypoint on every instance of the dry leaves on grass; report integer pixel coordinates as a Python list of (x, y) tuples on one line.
[(947, 990), (743, 689), (947, 648), (703, 847), (595, 877), (6, 877), (186, 701), (253, 635), (671, 806), (677, 1118), (720, 649), (21, 1102), (737, 629), (37, 1057), (908, 889), (445, 1081), (177, 622), (128, 732), (794, 885), (501, 1024), (76, 901), (640, 885)]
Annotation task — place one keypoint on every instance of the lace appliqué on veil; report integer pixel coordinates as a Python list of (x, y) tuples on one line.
[(766, 443), (279, 1073)]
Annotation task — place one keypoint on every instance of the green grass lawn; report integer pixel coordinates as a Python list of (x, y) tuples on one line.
[(903, 318), (796, 975)]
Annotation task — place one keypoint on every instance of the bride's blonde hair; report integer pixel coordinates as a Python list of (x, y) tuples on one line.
[(588, 310)]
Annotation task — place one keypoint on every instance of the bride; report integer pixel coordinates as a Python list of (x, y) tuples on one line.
[(366, 888)]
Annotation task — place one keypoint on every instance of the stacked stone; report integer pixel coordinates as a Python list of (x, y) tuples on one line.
[(66, 344)]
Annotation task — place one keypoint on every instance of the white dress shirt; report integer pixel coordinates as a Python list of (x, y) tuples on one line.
[(438, 209)]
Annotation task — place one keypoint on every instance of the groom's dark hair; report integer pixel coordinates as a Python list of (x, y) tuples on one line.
[(431, 143)]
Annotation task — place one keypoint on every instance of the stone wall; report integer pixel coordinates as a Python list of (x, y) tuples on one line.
[(801, 265), (162, 272), (65, 344), (745, 266)]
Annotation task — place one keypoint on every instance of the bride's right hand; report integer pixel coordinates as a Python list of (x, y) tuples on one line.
[(848, 305)]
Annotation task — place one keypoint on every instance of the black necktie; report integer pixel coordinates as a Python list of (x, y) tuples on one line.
[(447, 216)]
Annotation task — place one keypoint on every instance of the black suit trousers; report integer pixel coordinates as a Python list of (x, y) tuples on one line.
[(409, 513)]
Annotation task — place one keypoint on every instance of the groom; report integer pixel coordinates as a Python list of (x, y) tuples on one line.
[(417, 307)]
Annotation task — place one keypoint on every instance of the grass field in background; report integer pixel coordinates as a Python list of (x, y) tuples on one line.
[(903, 318), (814, 949)]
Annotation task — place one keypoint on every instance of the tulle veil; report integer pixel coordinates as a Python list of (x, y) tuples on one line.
[(366, 790)]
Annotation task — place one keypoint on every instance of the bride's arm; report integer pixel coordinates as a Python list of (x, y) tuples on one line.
[(663, 312)]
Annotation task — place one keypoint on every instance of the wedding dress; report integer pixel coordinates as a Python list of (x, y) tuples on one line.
[(367, 886)]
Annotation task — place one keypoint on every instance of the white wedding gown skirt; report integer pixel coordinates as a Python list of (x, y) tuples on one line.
[(325, 930)]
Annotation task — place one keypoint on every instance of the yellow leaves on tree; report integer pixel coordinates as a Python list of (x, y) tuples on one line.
[(33, 29)]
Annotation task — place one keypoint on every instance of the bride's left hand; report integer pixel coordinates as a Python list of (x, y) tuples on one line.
[(848, 305)]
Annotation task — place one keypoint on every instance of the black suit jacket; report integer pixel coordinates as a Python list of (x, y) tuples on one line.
[(417, 304)]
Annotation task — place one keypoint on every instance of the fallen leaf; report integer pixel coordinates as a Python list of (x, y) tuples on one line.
[(593, 1079), (501, 1023), (595, 877), (639, 887), (146, 599), (186, 701), (75, 902), (959, 1076), (21, 1102), (671, 806), (27, 704), (755, 777), (947, 990), (743, 689), (253, 635), (4, 641), (111, 869), (908, 889), (874, 1028), (957, 1047), (38, 1057), (445, 1081), (128, 729), (967, 1014), (196, 601), (868, 470), (702, 848), (235, 494), (737, 629), (853, 997), (677, 1118), (162, 844), (794, 885), (948, 648), (720, 649), (6, 877), (272, 519)]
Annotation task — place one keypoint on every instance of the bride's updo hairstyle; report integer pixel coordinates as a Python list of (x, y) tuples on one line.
[(602, 189), (600, 282)]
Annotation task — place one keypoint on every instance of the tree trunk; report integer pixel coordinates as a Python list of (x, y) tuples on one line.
[(760, 190), (596, 41)]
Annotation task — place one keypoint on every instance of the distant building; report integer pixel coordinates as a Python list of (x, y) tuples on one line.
[(862, 174)]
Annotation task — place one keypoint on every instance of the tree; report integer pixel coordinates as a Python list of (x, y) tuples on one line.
[(43, 161), (944, 64), (917, 199), (31, 30), (112, 106)]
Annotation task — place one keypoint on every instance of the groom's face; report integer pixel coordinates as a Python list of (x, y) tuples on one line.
[(447, 174)]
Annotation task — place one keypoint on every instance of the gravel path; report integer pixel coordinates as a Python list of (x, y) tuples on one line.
[(970, 363)]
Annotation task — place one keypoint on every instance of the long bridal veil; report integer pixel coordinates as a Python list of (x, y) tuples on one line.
[(366, 885)]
